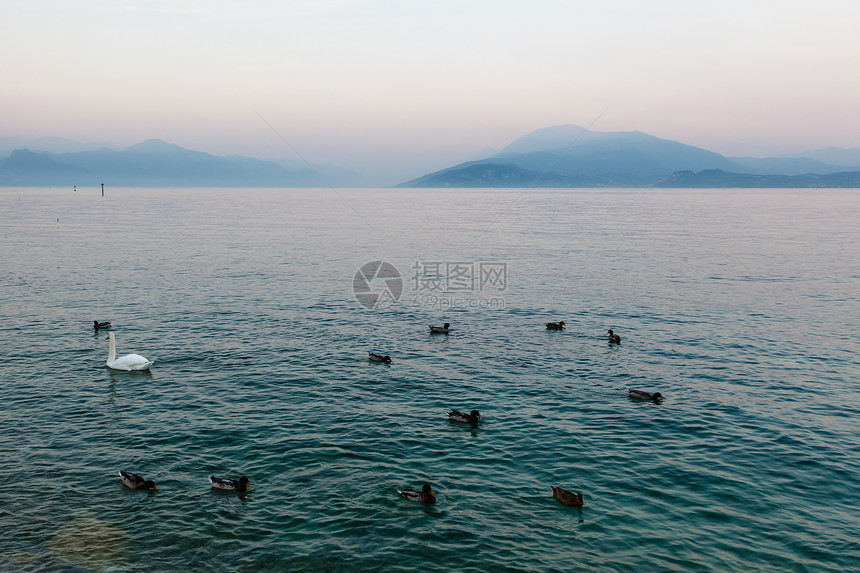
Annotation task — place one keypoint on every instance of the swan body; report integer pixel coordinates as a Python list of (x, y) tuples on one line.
[(385, 359), (424, 496), (613, 338), (135, 481), (471, 418), (240, 484), (555, 325), (566, 497), (440, 329), (97, 324), (127, 362), (640, 395)]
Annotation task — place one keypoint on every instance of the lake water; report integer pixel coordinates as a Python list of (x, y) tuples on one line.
[(739, 306)]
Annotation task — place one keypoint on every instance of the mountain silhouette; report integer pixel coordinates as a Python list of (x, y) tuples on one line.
[(572, 156), (152, 163)]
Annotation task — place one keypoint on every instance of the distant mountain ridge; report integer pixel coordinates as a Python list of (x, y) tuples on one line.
[(559, 156), (49, 145), (831, 155), (572, 156), (156, 163)]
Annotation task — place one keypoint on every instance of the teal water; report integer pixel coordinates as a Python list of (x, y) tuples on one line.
[(740, 306)]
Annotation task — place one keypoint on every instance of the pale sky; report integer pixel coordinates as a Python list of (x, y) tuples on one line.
[(399, 88)]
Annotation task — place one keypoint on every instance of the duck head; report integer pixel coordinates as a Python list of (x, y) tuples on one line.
[(386, 359), (149, 484), (474, 415)]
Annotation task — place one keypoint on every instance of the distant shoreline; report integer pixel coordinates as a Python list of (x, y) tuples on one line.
[(716, 178)]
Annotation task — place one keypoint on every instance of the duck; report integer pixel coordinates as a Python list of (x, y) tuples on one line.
[(471, 418), (555, 325), (97, 324), (440, 329), (127, 362), (424, 496), (613, 338), (240, 484), (135, 481), (566, 497), (640, 395), (379, 358)]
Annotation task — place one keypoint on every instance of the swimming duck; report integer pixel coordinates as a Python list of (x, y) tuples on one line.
[(127, 362), (471, 418), (97, 324), (440, 329), (135, 481), (613, 338), (567, 497), (640, 395), (424, 496), (379, 358), (555, 325), (240, 484)]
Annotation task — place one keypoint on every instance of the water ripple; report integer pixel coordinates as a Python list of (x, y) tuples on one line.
[(750, 462)]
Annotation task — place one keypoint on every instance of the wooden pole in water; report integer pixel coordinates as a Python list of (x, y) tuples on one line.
[(103, 189)]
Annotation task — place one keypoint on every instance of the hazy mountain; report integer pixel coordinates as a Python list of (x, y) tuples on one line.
[(832, 156), (485, 153), (560, 156), (572, 144), (785, 165), (487, 174), (571, 156), (333, 175), (48, 144), (559, 137), (153, 163)]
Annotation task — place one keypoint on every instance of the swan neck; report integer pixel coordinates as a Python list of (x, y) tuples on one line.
[(112, 353)]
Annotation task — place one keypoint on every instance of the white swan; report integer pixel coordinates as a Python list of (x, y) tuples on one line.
[(127, 362)]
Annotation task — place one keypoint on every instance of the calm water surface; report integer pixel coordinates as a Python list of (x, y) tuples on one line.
[(740, 306)]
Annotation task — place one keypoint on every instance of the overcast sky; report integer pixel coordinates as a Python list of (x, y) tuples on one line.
[(403, 87)]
